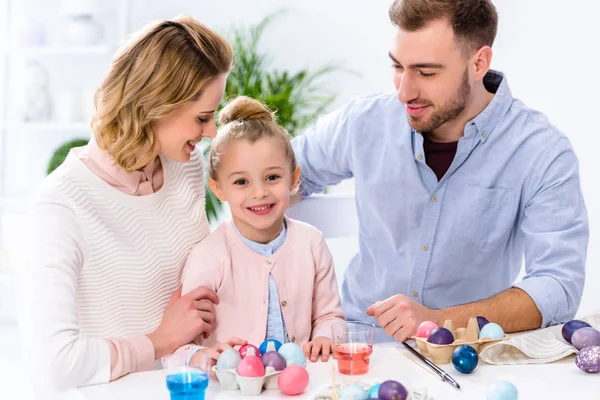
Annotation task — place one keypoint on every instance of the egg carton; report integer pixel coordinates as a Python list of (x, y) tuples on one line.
[(229, 379), (442, 353), (327, 393)]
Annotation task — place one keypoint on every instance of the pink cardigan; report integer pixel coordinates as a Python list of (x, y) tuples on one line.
[(302, 269)]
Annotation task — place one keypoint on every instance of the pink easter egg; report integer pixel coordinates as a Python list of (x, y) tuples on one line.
[(249, 349), (425, 329), (293, 380), (251, 367)]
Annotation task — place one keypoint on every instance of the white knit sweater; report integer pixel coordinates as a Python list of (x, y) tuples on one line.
[(104, 264)]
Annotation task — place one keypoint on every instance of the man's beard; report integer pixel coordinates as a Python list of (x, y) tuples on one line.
[(447, 112)]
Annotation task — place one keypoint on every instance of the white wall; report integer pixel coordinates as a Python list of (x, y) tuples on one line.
[(550, 62)]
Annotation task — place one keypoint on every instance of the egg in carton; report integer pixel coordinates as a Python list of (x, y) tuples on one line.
[(471, 335), (251, 375)]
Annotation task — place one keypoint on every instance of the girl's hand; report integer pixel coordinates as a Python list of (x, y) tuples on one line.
[(215, 351), (184, 319), (319, 345)]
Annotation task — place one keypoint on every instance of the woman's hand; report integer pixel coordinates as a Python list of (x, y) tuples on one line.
[(184, 319)]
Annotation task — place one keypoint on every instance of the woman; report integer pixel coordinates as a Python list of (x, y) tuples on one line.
[(115, 222)]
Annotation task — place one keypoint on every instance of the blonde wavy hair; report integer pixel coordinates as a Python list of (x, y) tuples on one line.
[(162, 67), (249, 119)]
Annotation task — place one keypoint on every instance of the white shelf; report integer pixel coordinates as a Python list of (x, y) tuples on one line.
[(82, 127), (60, 50)]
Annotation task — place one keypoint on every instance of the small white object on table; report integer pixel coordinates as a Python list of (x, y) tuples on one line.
[(561, 379)]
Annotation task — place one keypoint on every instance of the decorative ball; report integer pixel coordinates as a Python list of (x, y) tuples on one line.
[(229, 359), (353, 392), (440, 336), (249, 349), (570, 327), (502, 391), (482, 321), (273, 359), (585, 337), (393, 390), (491, 330), (269, 345), (425, 329), (292, 380), (588, 359), (465, 359), (292, 353), (251, 367), (374, 391)]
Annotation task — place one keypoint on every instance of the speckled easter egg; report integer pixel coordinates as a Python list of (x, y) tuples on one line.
[(502, 391), (425, 329), (353, 392), (491, 330), (570, 327), (269, 345), (273, 359), (292, 353), (440, 336), (292, 380), (465, 359), (249, 349), (392, 390), (584, 337), (588, 359), (229, 359), (251, 367)]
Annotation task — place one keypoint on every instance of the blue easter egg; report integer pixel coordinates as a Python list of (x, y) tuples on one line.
[(465, 359), (502, 391), (292, 353), (229, 359), (264, 347), (353, 392), (374, 391), (491, 330), (570, 327)]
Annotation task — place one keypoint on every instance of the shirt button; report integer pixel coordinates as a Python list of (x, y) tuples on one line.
[(293, 339), (284, 303), (419, 157), (414, 294), (424, 247), (269, 262), (434, 199), (484, 133)]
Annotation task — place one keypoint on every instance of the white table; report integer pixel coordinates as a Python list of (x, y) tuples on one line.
[(559, 380)]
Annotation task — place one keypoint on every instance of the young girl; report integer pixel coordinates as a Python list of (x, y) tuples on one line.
[(273, 275)]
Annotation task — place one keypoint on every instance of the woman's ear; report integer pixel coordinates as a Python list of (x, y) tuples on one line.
[(216, 189)]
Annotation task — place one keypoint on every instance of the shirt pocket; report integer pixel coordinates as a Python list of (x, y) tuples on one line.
[(486, 216)]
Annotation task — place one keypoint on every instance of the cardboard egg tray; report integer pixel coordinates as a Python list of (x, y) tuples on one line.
[(229, 379), (442, 354)]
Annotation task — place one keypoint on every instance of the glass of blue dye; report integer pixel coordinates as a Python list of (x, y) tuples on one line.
[(186, 381)]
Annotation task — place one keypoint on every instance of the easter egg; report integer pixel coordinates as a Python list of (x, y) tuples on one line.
[(292, 380), (273, 359), (465, 359), (353, 392), (570, 327), (588, 359), (392, 390), (482, 321), (585, 337), (292, 353), (249, 349), (425, 329), (269, 345), (251, 367), (502, 391), (491, 330), (229, 359), (374, 391), (440, 336)]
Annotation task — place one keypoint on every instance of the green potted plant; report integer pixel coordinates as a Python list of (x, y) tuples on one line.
[(61, 152)]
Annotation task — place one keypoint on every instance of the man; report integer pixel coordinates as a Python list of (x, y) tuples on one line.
[(457, 183)]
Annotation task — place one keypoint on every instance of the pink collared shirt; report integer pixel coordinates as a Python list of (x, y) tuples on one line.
[(133, 353)]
